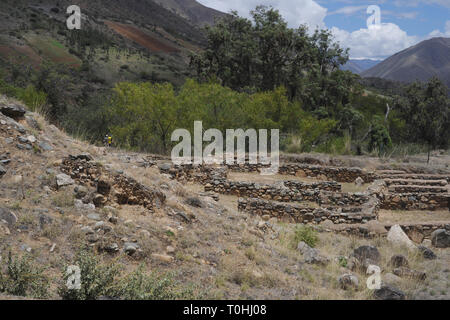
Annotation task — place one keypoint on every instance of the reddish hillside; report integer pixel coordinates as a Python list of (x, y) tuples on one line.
[(141, 38)]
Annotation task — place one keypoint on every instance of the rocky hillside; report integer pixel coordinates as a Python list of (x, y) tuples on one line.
[(65, 202), (420, 62)]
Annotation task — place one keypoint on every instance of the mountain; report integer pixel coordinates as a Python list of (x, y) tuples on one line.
[(420, 62), (359, 66), (191, 10)]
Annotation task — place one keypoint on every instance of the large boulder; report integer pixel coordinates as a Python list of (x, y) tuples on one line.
[(398, 261), (397, 236), (427, 253), (13, 111), (348, 281), (440, 238), (364, 253), (404, 272), (63, 180), (311, 255), (388, 292)]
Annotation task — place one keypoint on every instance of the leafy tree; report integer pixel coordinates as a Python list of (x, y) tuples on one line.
[(426, 111)]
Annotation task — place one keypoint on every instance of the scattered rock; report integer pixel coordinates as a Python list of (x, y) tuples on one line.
[(427, 253), (80, 192), (348, 281), (130, 248), (440, 238), (63, 180), (398, 237), (45, 146), (104, 186), (170, 249), (2, 171), (94, 216), (163, 257), (111, 248), (398, 261), (364, 253), (359, 182), (82, 156), (31, 139), (391, 279), (311, 255), (194, 202), (388, 292), (404, 272), (13, 111), (8, 216), (99, 200), (416, 236)]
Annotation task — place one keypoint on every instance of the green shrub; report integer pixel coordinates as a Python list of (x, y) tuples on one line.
[(20, 277), (141, 286), (306, 234)]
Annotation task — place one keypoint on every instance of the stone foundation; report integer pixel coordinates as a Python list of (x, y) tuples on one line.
[(294, 213), (416, 201)]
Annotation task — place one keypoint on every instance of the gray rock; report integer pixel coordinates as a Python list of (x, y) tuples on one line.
[(8, 216), (63, 180), (164, 166), (359, 182), (440, 238), (23, 146), (87, 230), (404, 272), (398, 261), (130, 247), (13, 111), (367, 252), (45, 146), (397, 236), (311, 255), (391, 279), (94, 216), (2, 171), (82, 156), (111, 248), (427, 253), (388, 292), (9, 140), (348, 281), (194, 202), (80, 192)]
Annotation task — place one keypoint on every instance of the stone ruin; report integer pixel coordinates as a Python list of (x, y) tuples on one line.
[(285, 200), (110, 186)]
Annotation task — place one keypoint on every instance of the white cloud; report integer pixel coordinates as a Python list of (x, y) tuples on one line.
[(294, 12), (438, 33), (363, 43), (375, 42)]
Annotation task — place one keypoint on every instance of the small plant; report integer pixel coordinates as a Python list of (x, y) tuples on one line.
[(305, 234), (64, 199), (96, 279), (23, 278)]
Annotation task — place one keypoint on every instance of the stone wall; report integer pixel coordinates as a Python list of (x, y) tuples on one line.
[(201, 174), (416, 201), (287, 192), (111, 186), (294, 213)]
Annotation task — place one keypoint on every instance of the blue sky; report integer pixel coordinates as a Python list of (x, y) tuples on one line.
[(403, 22)]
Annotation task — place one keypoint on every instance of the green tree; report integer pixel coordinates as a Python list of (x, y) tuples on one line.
[(426, 110)]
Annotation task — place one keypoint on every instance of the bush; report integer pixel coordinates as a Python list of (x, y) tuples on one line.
[(306, 234), (140, 286), (23, 278), (96, 279)]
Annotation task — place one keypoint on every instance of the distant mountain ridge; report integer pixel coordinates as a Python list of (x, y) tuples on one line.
[(359, 66), (420, 62)]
